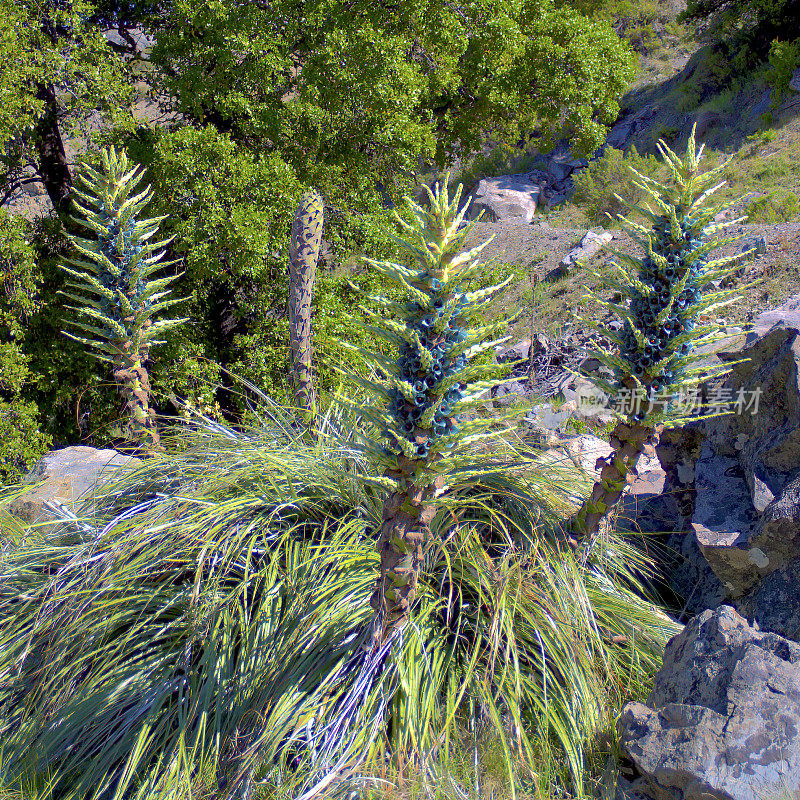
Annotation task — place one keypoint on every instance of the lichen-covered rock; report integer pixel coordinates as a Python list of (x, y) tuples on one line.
[(723, 719), (70, 474)]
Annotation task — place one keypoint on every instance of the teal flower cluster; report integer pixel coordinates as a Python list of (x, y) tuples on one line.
[(666, 308), (668, 289), (434, 379), (426, 362)]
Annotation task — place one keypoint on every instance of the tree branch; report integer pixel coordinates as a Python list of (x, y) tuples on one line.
[(17, 185)]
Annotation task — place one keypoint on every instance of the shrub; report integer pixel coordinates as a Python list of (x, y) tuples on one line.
[(747, 27), (771, 210), (784, 59), (21, 442), (597, 186)]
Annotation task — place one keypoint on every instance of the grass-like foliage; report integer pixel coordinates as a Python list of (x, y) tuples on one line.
[(210, 618)]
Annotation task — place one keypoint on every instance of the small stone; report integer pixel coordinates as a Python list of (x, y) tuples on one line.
[(557, 274)]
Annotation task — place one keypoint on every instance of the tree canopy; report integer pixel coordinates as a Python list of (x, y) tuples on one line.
[(752, 23), (264, 100), (56, 69), (344, 89)]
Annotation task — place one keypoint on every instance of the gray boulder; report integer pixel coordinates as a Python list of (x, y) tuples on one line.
[(520, 352), (753, 458), (69, 476), (723, 719), (590, 245), (509, 197)]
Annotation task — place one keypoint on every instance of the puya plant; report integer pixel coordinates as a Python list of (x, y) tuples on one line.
[(664, 293), (116, 312), (420, 395), (303, 256)]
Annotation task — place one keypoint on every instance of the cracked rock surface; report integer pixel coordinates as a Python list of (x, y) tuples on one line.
[(723, 719)]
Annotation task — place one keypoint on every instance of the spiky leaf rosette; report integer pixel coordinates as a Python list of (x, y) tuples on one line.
[(663, 293), (422, 393), (119, 301)]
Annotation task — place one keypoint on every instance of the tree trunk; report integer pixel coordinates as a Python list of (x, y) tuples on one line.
[(304, 254), (52, 156)]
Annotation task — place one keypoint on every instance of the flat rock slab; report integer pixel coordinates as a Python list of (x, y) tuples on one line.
[(70, 475)]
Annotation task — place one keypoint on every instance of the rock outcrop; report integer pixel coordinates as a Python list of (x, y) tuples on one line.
[(69, 476), (510, 197), (723, 719), (740, 476)]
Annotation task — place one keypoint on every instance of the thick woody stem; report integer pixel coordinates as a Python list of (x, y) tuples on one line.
[(134, 385), (617, 472), (407, 514)]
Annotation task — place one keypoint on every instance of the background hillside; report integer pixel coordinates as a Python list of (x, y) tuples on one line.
[(230, 207)]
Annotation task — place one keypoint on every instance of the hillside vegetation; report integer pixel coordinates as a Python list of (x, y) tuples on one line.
[(230, 208), (204, 630)]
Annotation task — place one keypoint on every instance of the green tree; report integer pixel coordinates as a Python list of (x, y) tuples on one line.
[(347, 91), (57, 70), (750, 26), (21, 441), (277, 99)]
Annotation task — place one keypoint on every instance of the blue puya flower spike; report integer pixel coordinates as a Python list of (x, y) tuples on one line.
[(417, 402), (666, 291)]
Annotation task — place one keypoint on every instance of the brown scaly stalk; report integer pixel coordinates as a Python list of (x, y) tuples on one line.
[(629, 440), (406, 519), (133, 384), (303, 256)]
